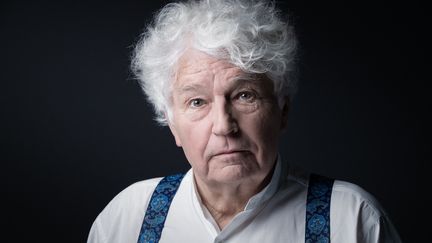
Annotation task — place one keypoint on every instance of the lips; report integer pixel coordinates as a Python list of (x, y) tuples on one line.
[(229, 152)]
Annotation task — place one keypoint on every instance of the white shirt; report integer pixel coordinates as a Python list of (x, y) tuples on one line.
[(276, 214)]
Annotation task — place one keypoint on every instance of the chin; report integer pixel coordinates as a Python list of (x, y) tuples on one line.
[(233, 173)]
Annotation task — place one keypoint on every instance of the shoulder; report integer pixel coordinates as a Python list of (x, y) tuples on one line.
[(133, 198), (356, 215), (355, 210), (136, 191), (123, 215), (355, 192), (351, 198), (345, 195)]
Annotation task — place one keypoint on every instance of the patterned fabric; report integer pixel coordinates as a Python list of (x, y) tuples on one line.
[(318, 209), (157, 210)]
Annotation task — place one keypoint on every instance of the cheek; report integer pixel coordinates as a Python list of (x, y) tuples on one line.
[(264, 130), (194, 137)]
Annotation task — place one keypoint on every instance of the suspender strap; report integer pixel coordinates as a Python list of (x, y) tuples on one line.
[(318, 209), (157, 210)]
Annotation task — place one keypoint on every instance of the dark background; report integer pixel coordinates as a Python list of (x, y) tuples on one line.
[(75, 127)]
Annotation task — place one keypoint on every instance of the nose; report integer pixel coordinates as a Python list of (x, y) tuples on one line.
[(223, 121)]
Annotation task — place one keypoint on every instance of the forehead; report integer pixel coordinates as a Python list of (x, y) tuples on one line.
[(197, 63), (199, 71)]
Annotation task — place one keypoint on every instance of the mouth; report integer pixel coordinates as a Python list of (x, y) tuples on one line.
[(230, 152)]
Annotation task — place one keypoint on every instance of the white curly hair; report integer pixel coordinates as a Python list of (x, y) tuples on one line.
[(248, 33)]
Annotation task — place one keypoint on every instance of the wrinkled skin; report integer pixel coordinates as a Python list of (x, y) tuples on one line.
[(227, 122)]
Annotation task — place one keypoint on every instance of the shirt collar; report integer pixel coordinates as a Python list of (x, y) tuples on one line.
[(254, 203), (261, 197), (265, 194)]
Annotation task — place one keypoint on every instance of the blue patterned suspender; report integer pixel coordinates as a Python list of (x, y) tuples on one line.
[(318, 209), (157, 209)]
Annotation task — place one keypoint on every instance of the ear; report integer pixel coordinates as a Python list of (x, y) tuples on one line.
[(284, 116), (174, 133)]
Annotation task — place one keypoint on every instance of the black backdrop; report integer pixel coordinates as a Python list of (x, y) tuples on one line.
[(76, 130)]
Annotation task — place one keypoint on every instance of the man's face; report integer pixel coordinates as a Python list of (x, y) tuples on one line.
[(227, 123)]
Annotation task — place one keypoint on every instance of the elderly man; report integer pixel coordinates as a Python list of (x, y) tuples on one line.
[(219, 73)]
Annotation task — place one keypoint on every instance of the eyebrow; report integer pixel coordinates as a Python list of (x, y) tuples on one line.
[(234, 82), (191, 88), (244, 78)]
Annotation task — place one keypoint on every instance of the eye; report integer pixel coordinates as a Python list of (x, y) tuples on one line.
[(246, 96), (196, 103)]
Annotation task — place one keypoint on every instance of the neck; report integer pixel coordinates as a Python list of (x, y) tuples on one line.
[(225, 201)]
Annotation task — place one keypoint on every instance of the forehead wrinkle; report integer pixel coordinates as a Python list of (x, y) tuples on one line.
[(191, 69), (190, 88), (196, 74), (191, 79), (199, 85), (241, 78)]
